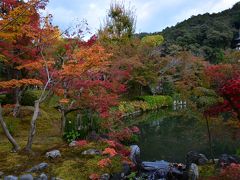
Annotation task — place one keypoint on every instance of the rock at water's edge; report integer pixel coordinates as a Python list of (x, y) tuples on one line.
[(197, 158)]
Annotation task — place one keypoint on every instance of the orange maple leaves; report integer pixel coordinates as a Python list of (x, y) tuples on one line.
[(110, 151), (92, 58), (64, 101), (104, 162), (18, 83), (18, 22)]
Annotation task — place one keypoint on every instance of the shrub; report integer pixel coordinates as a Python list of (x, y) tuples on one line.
[(145, 103), (81, 143), (30, 96), (109, 151), (129, 107), (157, 101), (126, 107), (238, 152), (231, 172), (126, 136), (152, 41), (207, 171), (7, 99), (70, 136), (104, 162), (2, 98)]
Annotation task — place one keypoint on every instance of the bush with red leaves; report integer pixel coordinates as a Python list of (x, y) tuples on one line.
[(231, 172), (81, 143), (125, 134), (104, 162)]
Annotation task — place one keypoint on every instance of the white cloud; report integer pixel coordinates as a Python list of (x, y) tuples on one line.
[(148, 11), (223, 4), (62, 15), (201, 8)]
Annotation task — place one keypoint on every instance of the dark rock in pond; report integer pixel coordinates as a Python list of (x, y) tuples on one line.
[(163, 170), (38, 167), (105, 177), (26, 177), (53, 154), (197, 158), (43, 177), (193, 172), (153, 166), (10, 177), (91, 152), (225, 160)]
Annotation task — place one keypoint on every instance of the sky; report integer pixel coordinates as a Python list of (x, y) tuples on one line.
[(152, 15)]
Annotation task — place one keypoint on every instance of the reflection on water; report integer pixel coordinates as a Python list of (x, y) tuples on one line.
[(170, 137)]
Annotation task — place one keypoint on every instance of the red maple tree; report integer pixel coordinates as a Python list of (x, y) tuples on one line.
[(225, 79)]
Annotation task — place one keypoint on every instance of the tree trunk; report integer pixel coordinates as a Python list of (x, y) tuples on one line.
[(63, 121), (90, 116), (78, 120), (16, 147), (33, 126), (16, 109), (210, 140), (17, 104)]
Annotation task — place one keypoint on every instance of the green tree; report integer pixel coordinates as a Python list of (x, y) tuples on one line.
[(119, 23), (153, 41)]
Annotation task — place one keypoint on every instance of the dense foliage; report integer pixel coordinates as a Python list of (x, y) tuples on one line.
[(206, 35)]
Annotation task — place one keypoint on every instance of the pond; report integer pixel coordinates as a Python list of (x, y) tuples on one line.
[(169, 136)]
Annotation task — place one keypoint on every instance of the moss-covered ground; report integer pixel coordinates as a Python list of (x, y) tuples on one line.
[(71, 165)]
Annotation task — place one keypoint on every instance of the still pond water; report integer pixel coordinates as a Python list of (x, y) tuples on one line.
[(167, 136)]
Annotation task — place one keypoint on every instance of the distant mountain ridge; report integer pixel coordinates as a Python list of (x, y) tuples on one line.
[(205, 35)]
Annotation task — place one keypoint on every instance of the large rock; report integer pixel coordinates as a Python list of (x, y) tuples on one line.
[(162, 165), (26, 177), (1, 173), (197, 158), (10, 177), (39, 167), (91, 152), (135, 154), (225, 160), (53, 154), (193, 172)]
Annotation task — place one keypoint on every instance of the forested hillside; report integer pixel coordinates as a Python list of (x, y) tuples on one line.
[(206, 35)]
